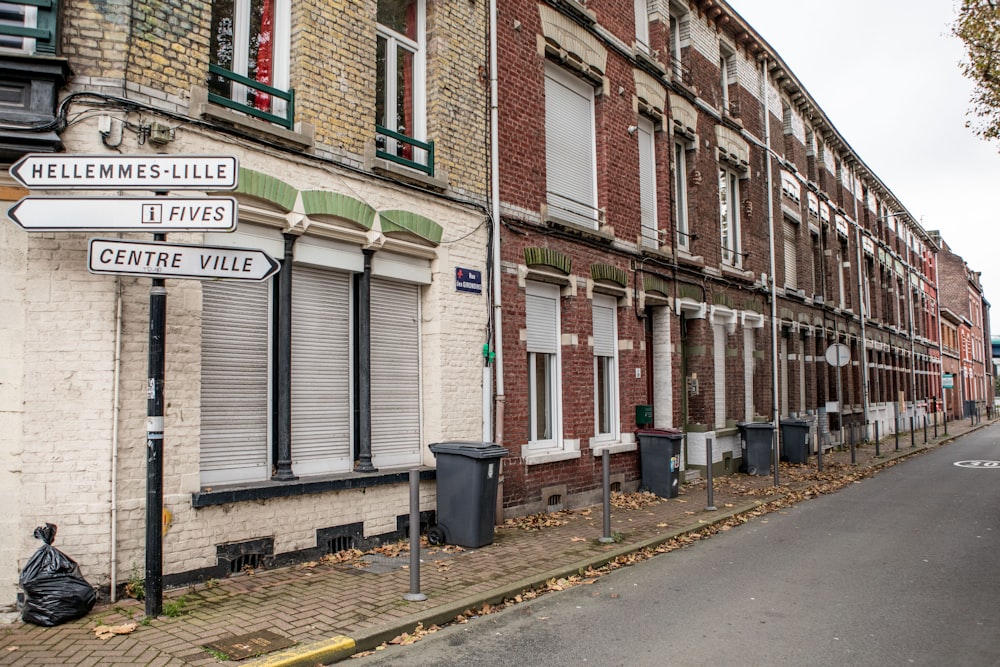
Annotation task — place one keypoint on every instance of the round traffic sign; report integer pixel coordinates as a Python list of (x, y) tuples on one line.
[(838, 355)]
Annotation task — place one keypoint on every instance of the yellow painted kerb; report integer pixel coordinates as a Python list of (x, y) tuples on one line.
[(326, 651)]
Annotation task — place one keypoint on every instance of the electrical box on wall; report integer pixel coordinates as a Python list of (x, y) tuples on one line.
[(643, 415)]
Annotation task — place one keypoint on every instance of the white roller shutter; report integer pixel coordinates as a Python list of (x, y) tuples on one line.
[(234, 382), (791, 256), (569, 148), (604, 326), (647, 182), (719, 359), (542, 318), (321, 371), (395, 373)]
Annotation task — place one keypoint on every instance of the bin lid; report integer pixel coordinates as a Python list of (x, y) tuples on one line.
[(796, 421), (472, 450), (755, 425), (667, 432)]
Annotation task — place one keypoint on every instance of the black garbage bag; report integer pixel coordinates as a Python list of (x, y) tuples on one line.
[(54, 590)]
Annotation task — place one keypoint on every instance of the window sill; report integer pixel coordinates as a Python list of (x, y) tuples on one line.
[(405, 174), (234, 493), (614, 448), (538, 458), (303, 137)]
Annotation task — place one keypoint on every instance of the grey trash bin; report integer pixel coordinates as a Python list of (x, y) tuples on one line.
[(467, 477), (795, 440), (756, 440), (660, 460)]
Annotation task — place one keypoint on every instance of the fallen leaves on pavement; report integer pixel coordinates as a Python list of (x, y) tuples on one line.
[(109, 631)]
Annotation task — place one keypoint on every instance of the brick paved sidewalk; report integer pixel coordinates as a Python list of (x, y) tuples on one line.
[(329, 610)]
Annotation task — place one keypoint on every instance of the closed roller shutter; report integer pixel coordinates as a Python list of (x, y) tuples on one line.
[(791, 257), (321, 371), (569, 148), (395, 373), (234, 382)]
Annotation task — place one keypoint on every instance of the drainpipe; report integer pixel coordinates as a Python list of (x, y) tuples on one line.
[(774, 296), (940, 342), (115, 414), (863, 311), (495, 214)]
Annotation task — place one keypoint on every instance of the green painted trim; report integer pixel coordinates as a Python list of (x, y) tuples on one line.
[(321, 202), (654, 284), (689, 292), (548, 257), (720, 299), (732, 352), (695, 350), (268, 188), (609, 273), (696, 428), (405, 221)]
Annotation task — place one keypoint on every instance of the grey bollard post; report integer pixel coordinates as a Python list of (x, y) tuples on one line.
[(415, 595), (851, 433), (819, 451), (606, 483), (913, 433), (946, 423), (878, 445), (925, 429), (711, 486), (935, 425), (897, 433)]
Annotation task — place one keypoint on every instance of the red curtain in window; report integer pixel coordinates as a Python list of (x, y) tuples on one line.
[(265, 54)]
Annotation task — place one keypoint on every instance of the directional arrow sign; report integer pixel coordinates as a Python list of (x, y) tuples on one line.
[(156, 215), (174, 260), (127, 172)]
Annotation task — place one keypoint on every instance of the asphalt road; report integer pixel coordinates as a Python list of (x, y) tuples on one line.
[(898, 569)]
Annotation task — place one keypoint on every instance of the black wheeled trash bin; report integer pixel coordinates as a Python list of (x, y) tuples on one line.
[(795, 440), (660, 460), (467, 477), (756, 438)]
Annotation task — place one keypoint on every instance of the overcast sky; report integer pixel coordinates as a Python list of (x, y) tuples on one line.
[(886, 74)]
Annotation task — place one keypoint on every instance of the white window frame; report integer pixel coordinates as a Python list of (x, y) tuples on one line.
[(280, 50), (727, 73), (544, 353), (606, 393), (395, 42), (680, 191), (647, 183), (729, 217), (570, 153)]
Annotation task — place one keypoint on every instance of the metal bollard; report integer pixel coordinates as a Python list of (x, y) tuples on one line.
[(606, 481), (897, 433), (878, 451), (913, 434), (415, 595), (925, 429), (711, 490), (850, 436), (935, 425), (946, 423)]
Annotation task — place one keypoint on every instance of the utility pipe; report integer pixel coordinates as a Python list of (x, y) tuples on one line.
[(776, 440), (495, 215)]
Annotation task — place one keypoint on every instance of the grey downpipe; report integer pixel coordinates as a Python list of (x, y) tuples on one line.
[(774, 296)]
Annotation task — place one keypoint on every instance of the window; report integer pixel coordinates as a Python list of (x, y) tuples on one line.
[(647, 183), (727, 72), (605, 368), (681, 196), (791, 253), (729, 216), (29, 26), (570, 152), (235, 382), (679, 26), (244, 377), (642, 26), (400, 83), (542, 318), (250, 38)]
